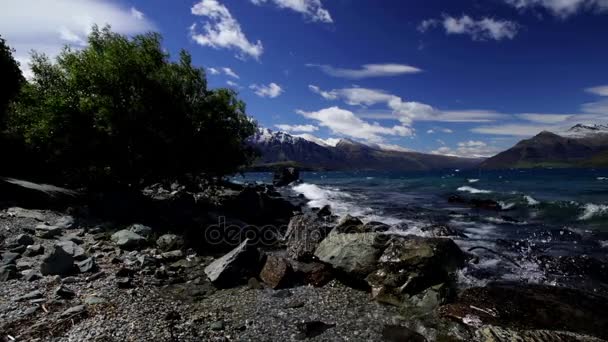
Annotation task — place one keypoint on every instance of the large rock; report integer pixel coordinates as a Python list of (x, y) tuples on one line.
[(58, 262), (236, 267), (349, 225), (530, 308), (128, 240), (285, 176), (169, 242), (48, 232), (141, 230), (304, 233), (277, 272), (8, 272), (260, 205), (355, 255), (73, 249), (412, 264)]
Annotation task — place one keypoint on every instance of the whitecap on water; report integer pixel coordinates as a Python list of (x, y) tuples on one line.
[(473, 180), (473, 190), (341, 203), (602, 178), (506, 205), (591, 210), (531, 201)]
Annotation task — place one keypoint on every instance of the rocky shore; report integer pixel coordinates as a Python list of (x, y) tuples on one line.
[(250, 263)]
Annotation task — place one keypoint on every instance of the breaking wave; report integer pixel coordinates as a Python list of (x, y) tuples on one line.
[(472, 190)]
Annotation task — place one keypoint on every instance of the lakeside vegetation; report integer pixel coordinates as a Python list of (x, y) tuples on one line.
[(119, 112)]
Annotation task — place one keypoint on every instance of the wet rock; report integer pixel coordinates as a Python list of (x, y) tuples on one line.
[(8, 272), (86, 265), (531, 307), (72, 249), (169, 242), (395, 333), (24, 240), (353, 254), (324, 212), (440, 230), (312, 329), (348, 225), (575, 266), (285, 176), (260, 207), (33, 250), (48, 232), (376, 227), (235, 267), (64, 292), (9, 258), (58, 262), (411, 264), (312, 273), (304, 233), (277, 273), (128, 240), (141, 230)]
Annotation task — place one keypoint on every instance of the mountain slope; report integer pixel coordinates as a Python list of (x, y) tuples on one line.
[(282, 148), (580, 146)]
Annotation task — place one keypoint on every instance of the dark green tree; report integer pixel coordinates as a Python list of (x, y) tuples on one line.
[(121, 112), (10, 78)]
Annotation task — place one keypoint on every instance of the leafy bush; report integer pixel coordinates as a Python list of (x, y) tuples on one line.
[(120, 112), (10, 78)]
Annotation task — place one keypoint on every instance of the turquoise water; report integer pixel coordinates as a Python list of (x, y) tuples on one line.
[(543, 212)]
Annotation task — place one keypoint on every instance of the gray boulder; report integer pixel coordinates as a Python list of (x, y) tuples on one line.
[(58, 262), (236, 267), (355, 254), (72, 248), (33, 250), (86, 265), (24, 240), (141, 230), (128, 240), (169, 242), (48, 232), (304, 233), (8, 272)]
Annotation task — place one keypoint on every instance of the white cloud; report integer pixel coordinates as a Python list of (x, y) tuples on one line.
[(297, 128), (222, 30), (430, 131), (469, 149), (230, 72), (545, 118), (323, 142), (368, 70), (344, 122), (599, 107), (311, 9), (46, 26), (438, 129), (404, 111), (521, 130), (479, 30), (599, 90), (392, 147), (233, 84), (562, 8), (272, 90), (447, 130), (213, 71), (137, 14)]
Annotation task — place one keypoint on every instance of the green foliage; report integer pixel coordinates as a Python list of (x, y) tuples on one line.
[(10, 78), (121, 111)]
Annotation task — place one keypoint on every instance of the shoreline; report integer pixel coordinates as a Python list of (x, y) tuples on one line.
[(305, 287)]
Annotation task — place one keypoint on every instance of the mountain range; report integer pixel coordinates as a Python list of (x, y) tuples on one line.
[(579, 146), (279, 148)]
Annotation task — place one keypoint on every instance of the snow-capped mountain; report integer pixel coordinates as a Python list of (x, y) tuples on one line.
[(344, 154), (578, 146)]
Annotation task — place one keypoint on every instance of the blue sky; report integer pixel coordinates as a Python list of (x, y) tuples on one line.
[(465, 78)]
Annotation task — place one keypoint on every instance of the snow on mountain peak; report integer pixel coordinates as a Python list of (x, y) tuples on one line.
[(584, 130)]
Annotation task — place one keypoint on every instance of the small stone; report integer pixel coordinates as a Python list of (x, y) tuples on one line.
[(74, 311), (24, 240), (173, 255), (31, 295), (254, 284), (312, 329), (9, 258), (124, 283), (217, 326), (64, 292), (93, 300), (87, 265), (72, 248), (140, 229), (70, 280), (32, 275), (48, 232), (58, 262), (33, 250), (31, 310), (128, 240), (65, 222), (8, 272), (95, 276), (170, 242), (24, 264), (146, 261)]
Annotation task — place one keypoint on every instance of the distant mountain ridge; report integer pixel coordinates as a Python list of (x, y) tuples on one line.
[(579, 146), (281, 148)]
